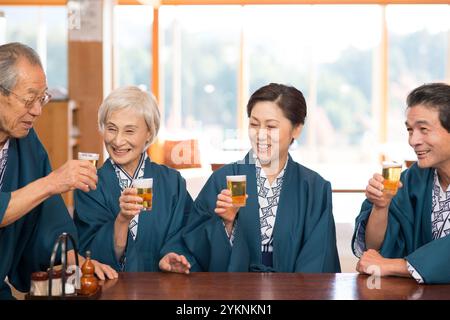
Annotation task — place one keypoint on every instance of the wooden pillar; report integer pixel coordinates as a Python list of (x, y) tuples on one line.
[(243, 81), (155, 54), (156, 151), (447, 73), (384, 79), (380, 77), (86, 53)]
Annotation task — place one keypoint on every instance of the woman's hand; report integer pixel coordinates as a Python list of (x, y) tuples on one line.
[(173, 262), (103, 271), (225, 209), (100, 269), (130, 204)]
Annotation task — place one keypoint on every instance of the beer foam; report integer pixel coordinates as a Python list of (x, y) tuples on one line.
[(391, 164), (237, 178), (87, 156), (143, 183)]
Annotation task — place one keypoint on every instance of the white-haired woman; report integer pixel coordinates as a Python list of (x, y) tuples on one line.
[(110, 220)]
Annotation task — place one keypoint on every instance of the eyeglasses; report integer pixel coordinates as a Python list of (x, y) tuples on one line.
[(29, 103)]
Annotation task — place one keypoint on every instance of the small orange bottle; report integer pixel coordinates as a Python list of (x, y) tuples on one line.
[(88, 281)]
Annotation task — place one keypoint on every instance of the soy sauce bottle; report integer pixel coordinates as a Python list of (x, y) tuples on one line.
[(88, 281)]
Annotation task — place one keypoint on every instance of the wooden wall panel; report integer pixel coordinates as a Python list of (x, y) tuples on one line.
[(86, 89), (53, 128)]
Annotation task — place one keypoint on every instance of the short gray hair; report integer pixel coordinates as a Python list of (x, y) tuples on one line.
[(10, 54), (132, 97)]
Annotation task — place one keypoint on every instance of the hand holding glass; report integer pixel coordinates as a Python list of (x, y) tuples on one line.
[(237, 186), (92, 157), (145, 191), (391, 175)]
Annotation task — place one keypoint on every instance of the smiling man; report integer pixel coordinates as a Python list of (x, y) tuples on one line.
[(32, 212), (408, 234)]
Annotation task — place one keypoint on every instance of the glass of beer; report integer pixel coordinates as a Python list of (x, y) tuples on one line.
[(145, 191), (391, 175), (91, 157), (238, 188)]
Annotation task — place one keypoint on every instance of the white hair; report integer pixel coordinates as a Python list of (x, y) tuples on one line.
[(142, 102)]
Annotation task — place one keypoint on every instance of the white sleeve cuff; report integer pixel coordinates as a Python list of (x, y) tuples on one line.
[(416, 275), (359, 246)]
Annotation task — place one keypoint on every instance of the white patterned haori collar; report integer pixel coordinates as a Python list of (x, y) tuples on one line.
[(3, 160), (126, 181), (268, 199)]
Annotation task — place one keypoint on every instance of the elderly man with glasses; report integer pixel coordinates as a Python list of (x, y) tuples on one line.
[(32, 212)]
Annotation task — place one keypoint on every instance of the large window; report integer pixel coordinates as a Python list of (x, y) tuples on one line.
[(213, 57), (200, 60), (331, 62), (418, 53), (133, 41), (45, 30), (210, 54)]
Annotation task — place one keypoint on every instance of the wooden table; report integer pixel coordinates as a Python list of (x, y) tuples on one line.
[(266, 286)]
